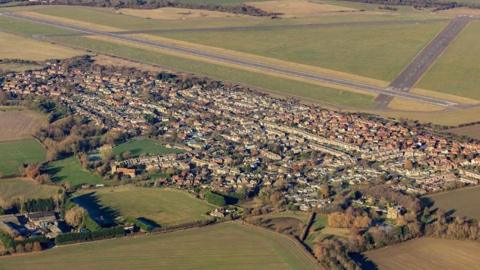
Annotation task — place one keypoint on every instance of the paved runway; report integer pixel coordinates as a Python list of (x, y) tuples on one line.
[(244, 62), (272, 27), (426, 58)]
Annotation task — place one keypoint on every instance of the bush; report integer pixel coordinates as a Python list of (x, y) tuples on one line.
[(215, 198), (7, 240)]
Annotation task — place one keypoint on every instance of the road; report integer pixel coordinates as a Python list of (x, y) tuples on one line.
[(426, 58), (246, 63)]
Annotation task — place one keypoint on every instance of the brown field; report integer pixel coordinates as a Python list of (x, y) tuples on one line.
[(29, 49), (19, 124), (445, 117), (427, 254), (299, 8), (470, 131), (402, 104), (464, 201), (222, 246), (169, 13)]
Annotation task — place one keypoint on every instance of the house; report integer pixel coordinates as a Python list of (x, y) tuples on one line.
[(125, 171), (42, 219), (394, 212)]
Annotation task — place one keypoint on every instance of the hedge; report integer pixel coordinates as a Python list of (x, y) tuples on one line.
[(76, 237)]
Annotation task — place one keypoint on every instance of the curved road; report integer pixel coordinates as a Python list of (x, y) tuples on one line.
[(243, 62)]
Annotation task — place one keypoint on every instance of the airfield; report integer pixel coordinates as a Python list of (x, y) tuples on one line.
[(314, 52)]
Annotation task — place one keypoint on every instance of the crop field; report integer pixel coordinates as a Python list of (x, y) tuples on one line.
[(203, 248), (426, 253), (148, 147), (12, 189), (464, 201), (455, 72), (163, 206), (14, 46), (19, 124), (70, 170), (16, 153)]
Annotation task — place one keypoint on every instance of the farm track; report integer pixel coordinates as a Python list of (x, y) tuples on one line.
[(229, 59), (425, 59)]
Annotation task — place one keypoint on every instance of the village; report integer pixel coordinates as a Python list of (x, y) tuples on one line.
[(236, 139)]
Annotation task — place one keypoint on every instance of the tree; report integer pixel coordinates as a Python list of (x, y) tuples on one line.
[(75, 216), (106, 152), (37, 246)]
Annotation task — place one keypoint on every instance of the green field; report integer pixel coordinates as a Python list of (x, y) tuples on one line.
[(315, 232), (464, 201), (456, 71), (275, 85), (16, 153), (163, 206), (426, 253), (224, 246), (70, 170), (139, 147), (12, 189), (375, 51)]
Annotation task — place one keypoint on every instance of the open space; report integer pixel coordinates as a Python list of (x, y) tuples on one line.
[(14, 154), (455, 72), (223, 246), (472, 131), (138, 147), (426, 253), (13, 189), (163, 206), (19, 123), (300, 8), (70, 170), (17, 47), (464, 201), (174, 13)]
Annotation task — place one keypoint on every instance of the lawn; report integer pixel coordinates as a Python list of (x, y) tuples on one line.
[(163, 206), (16, 153), (223, 246), (456, 71), (14, 46), (15, 188), (464, 201), (70, 170), (140, 146), (426, 253)]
